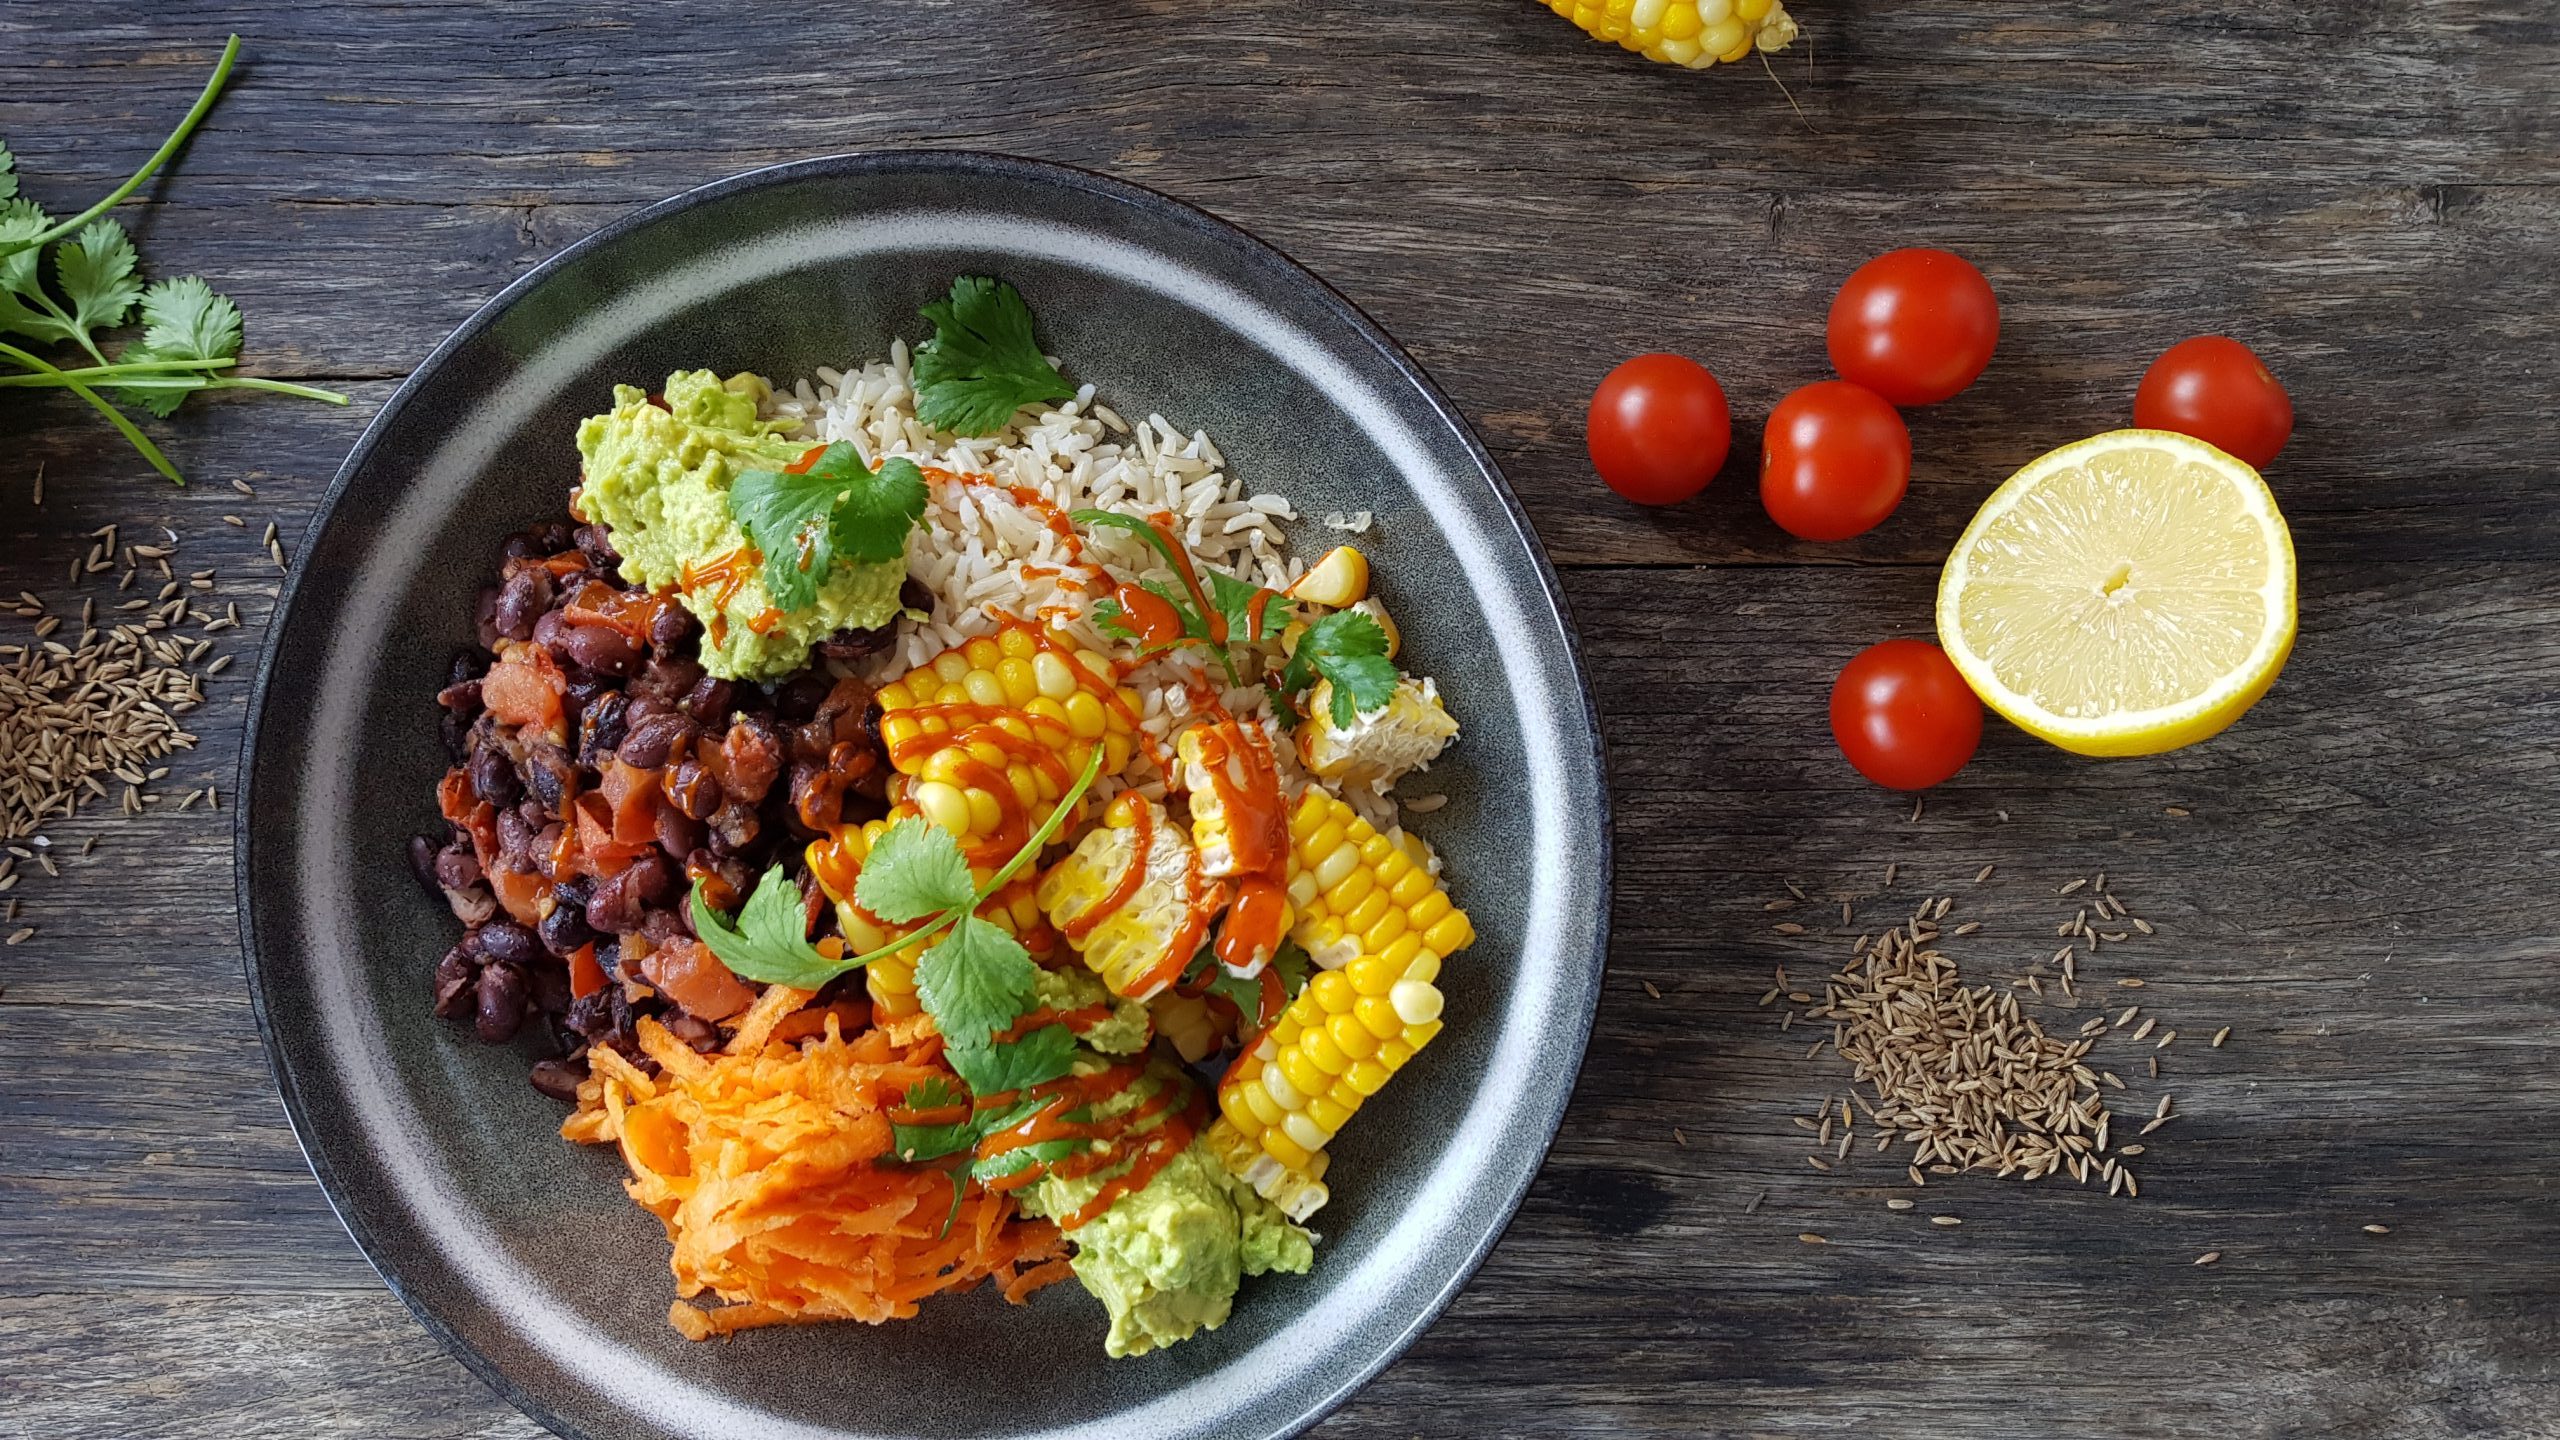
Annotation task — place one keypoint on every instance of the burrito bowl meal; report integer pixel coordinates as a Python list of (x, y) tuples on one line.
[(945, 835)]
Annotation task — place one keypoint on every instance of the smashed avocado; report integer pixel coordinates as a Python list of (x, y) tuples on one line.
[(1125, 1032), (658, 480), (1165, 1260)]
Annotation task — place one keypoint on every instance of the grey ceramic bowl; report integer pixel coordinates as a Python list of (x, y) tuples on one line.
[(519, 1251)]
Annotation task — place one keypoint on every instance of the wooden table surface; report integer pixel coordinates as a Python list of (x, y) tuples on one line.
[(2356, 879)]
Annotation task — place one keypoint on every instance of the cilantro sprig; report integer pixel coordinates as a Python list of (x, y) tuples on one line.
[(804, 520), (1230, 599), (982, 363), (975, 981), (191, 335), (1349, 649)]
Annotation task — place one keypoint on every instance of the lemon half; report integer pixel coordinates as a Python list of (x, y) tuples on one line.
[(2123, 595)]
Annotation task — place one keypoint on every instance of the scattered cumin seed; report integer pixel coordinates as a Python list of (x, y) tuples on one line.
[(1795, 890), (2131, 982), (2178, 812), (1966, 928), (1818, 1163), (2154, 1062), (1788, 927), (1755, 1202), (1898, 1203), (235, 522), (2126, 1018), (1917, 1178), (2074, 885), (2140, 925), (1889, 872), (1915, 810), (2163, 1111), (1810, 1238), (243, 487), (275, 552), (2155, 1124), (2143, 1030), (2165, 1037), (2208, 1257), (1770, 999), (2132, 1150), (1945, 1220), (20, 935), (1649, 989), (2369, 1229), (1678, 1138), (2221, 1035)]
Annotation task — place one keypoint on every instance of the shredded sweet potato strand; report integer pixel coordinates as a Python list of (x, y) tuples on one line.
[(764, 1165)]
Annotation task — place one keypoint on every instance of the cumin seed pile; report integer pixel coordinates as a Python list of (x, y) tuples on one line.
[(1960, 1072)]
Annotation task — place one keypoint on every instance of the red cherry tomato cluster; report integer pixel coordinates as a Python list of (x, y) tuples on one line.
[(1909, 328)]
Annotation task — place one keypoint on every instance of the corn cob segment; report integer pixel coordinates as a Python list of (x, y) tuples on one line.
[(1338, 1043), (1691, 33), (1381, 747), (1131, 898), (1298, 1195), (1189, 1023), (1237, 819), (1358, 892), (987, 735)]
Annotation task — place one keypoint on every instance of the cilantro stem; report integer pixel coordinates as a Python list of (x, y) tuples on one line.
[(1030, 849), (120, 373), (114, 416), (160, 157)]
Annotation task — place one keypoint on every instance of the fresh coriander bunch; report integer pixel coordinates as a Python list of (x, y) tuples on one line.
[(190, 335)]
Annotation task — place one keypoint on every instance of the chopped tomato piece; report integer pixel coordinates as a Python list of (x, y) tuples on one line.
[(633, 795), (517, 893), (694, 978), (525, 695), (586, 977)]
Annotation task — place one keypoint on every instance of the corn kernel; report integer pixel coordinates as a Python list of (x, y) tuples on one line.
[(1352, 1037), (1367, 1076), (1373, 974), (985, 812), (1332, 991), (1377, 1015), (1326, 1117), (1302, 1128), (1301, 1071), (1416, 1002), (1277, 1144), (943, 805)]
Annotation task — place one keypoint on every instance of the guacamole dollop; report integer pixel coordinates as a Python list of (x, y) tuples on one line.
[(1165, 1260), (658, 480), (1125, 1031)]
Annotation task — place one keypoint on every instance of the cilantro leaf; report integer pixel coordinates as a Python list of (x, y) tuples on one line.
[(1036, 1058), (977, 981), (982, 363), (1112, 620), (838, 506), (8, 172), (932, 1142), (1349, 649), (96, 274), (24, 307), (182, 319), (1234, 599), (915, 871), (1289, 962), (769, 942)]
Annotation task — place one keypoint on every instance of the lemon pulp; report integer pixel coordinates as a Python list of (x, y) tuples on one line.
[(2124, 595)]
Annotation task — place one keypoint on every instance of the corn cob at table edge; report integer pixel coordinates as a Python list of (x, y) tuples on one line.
[(1354, 1026), (1695, 34)]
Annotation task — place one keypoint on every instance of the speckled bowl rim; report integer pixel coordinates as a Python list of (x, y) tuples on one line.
[(1248, 248)]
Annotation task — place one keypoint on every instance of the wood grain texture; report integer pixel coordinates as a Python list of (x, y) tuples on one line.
[(2368, 190)]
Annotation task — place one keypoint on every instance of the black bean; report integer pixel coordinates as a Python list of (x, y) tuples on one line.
[(915, 595), (666, 927), (582, 687), (553, 537), (602, 726), (693, 789), (600, 648), (457, 867), (667, 678), (502, 993), (708, 700), (817, 796), (456, 733), (517, 837), (461, 697), (422, 861), (506, 940), (549, 774), (519, 546), (650, 741), (484, 618), (548, 631), (849, 646), (695, 1031), (558, 1079), (734, 827), (596, 543), (670, 627), (616, 905), (493, 778), (566, 927), (655, 878), (457, 977), (521, 601), (679, 834)]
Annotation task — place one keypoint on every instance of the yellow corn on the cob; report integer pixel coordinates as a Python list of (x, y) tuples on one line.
[(1358, 892), (1249, 773), (836, 861), (988, 734), (1298, 1194), (1336, 1045), (1382, 746), (1694, 33), (1189, 1023), (1141, 945)]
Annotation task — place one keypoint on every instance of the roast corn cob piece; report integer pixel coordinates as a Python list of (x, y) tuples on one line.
[(1380, 747), (1130, 898), (1237, 819), (836, 861), (1188, 1022), (987, 735), (1692, 33), (1336, 1045), (1358, 892), (1297, 1194)]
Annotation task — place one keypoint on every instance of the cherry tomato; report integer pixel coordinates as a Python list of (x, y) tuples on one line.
[(1659, 429), (1834, 461), (2219, 391), (1914, 326), (1904, 716)]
